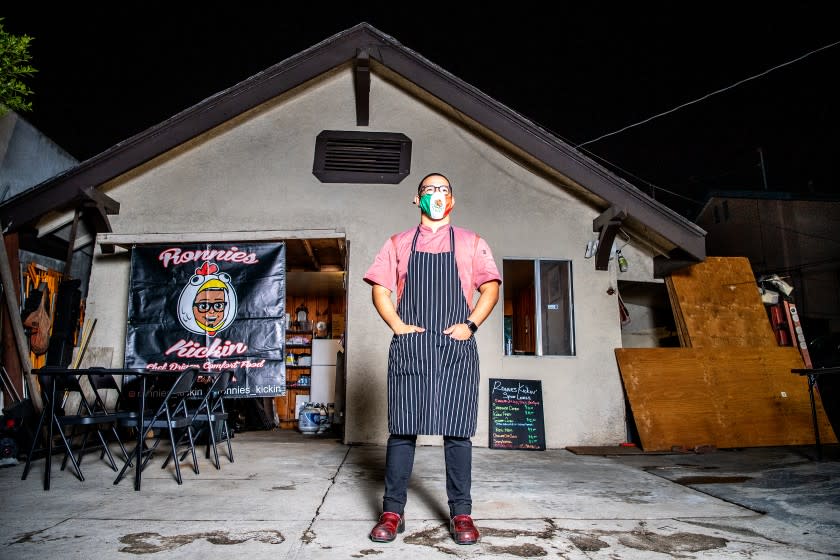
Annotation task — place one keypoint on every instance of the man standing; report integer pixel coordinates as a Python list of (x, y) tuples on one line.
[(433, 374)]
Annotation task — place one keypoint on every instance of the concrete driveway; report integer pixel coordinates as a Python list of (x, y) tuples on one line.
[(295, 496)]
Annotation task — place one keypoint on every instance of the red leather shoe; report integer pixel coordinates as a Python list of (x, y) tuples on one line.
[(389, 525), (463, 529)]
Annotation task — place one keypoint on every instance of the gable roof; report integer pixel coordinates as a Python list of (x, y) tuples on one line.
[(622, 200)]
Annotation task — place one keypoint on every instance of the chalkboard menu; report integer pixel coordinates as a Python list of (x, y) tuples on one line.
[(516, 414)]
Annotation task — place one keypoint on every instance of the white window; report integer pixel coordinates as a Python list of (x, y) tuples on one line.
[(538, 307)]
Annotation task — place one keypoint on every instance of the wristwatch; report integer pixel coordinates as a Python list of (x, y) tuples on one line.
[(472, 326)]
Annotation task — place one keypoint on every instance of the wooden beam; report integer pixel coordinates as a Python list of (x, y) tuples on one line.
[(342, 250), (361, 86), (68, 262), (126, 240), (97, 217), (605, 243), (308, 246)]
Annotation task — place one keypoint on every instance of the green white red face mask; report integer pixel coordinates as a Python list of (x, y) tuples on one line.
[(436, 205)]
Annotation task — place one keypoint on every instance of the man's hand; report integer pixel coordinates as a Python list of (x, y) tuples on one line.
[(458, 331), (486, 301), (407, 329)]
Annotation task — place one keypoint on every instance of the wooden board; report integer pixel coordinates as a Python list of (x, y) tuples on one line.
[(679, 320), (716, 303), (727, 397)]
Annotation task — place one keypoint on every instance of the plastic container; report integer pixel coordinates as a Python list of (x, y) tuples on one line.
[(309, 421)]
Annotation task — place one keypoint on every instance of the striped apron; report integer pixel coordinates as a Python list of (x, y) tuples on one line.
[(432, 378)]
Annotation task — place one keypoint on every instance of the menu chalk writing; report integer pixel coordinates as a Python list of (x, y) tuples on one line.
[(516, 414)]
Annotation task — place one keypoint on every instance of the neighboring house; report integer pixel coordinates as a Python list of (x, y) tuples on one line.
[(324, 151), (794, 236), (27, 158)]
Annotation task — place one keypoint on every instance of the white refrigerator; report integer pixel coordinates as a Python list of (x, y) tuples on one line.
[(324, 353)]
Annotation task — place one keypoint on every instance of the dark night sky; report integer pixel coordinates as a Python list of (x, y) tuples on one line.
[(578, 71)]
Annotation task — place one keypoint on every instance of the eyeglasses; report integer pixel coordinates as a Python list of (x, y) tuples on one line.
[(429, 189), (204, 306)]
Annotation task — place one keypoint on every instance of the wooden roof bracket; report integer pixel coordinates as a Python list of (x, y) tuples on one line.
[(96, 207), (607, 225), (361, 84)]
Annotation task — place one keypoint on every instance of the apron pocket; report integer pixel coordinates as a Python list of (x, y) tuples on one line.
[(402, 355), (459, 357)]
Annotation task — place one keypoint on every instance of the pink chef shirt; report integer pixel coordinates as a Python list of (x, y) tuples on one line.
[(472, 254)]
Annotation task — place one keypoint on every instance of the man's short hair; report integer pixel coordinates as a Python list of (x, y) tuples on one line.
[(420, 184)]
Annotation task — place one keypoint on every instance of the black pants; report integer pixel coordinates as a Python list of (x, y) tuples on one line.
[(399, 461)]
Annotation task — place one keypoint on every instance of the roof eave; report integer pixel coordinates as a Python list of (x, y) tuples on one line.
[(66, 188)]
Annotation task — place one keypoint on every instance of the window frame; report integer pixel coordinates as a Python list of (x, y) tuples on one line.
[(539, 318)]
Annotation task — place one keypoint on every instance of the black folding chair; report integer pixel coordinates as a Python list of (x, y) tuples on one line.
[(56, 384), (209, 413), (171, 417), (102, 382)]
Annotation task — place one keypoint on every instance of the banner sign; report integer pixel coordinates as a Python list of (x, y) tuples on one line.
[(212, 305)]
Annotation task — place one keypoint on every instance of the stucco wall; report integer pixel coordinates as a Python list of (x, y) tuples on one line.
[(257, 176)]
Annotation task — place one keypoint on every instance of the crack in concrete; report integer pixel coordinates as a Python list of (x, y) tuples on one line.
[(308, 534), (28, 536)]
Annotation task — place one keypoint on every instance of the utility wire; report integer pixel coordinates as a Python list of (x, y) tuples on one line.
[(708, 95), (641, 179), (786, 271), (802, 233)]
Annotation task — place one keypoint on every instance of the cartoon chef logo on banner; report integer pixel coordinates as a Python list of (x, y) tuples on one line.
[(213, 306), (208, 302)]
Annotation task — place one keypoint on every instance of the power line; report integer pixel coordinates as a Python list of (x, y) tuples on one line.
[(641, 179), (708, 95), (803, 234)]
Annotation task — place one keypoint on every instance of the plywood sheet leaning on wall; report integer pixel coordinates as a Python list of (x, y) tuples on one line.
[(716, 303), (726, 397), (679, 320)]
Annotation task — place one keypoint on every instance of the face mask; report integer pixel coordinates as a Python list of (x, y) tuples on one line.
[(436, 205)]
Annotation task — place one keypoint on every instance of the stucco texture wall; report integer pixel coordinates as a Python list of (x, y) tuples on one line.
[(256, 174)]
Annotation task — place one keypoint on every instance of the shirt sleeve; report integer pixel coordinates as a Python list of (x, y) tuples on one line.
[(484, 266), (383, 271)]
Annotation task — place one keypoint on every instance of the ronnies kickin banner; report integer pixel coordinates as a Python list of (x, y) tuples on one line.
[(212, 305)]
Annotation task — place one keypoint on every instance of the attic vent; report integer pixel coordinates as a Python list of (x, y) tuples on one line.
[(362, 157)]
